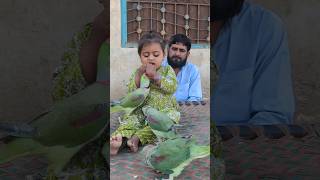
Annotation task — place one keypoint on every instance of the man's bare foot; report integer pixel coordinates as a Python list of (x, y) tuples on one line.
[(115, 143), (133, 143)]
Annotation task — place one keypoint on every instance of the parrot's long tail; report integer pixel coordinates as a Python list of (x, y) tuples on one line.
[(196, 151), (17, 148), (18, 130)]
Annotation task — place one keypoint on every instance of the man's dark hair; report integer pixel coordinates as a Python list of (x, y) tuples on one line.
[(225, 9), (151, 37), (180, 38)]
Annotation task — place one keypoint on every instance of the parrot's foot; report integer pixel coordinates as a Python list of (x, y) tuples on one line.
[(133, 143), (115, 143)]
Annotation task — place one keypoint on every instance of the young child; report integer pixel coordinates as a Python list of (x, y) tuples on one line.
[(163, 84)]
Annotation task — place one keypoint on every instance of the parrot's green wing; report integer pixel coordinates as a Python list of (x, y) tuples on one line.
[(131, 101), (173, 155), (169, 154), (75, 120), (157, 120), (135, 98), (196, 152)]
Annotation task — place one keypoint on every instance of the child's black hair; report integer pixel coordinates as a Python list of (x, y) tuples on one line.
[(151, 37), (180, 38)]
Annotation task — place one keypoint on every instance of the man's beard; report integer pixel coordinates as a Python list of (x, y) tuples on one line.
[(176, 62)]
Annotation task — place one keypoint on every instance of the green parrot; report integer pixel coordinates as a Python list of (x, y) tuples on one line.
[(130, 101), (173, 155), (133, 99), (158, 120), (67, 127), (161, 124)]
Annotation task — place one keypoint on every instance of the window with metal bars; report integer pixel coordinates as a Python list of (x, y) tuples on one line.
[(168, 17)]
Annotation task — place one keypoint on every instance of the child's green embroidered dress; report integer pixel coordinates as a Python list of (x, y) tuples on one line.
[(160, 98)]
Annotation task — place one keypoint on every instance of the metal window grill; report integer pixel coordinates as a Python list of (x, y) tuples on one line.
[(169, 17)]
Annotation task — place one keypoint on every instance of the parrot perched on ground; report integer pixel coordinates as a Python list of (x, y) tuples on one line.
[(133, 99), (173, 155), (67, 127), (161, 124)]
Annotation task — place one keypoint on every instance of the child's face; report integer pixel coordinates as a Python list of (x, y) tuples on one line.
[(152, 54)]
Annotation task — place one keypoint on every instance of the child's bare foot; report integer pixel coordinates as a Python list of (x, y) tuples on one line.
[(115, 143), (133, 143)]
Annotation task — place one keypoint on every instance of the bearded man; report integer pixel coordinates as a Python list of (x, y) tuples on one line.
[(188, 75)]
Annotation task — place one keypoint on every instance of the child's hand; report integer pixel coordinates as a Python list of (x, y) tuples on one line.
[(151, 71), (142, 69), (152, 74)]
